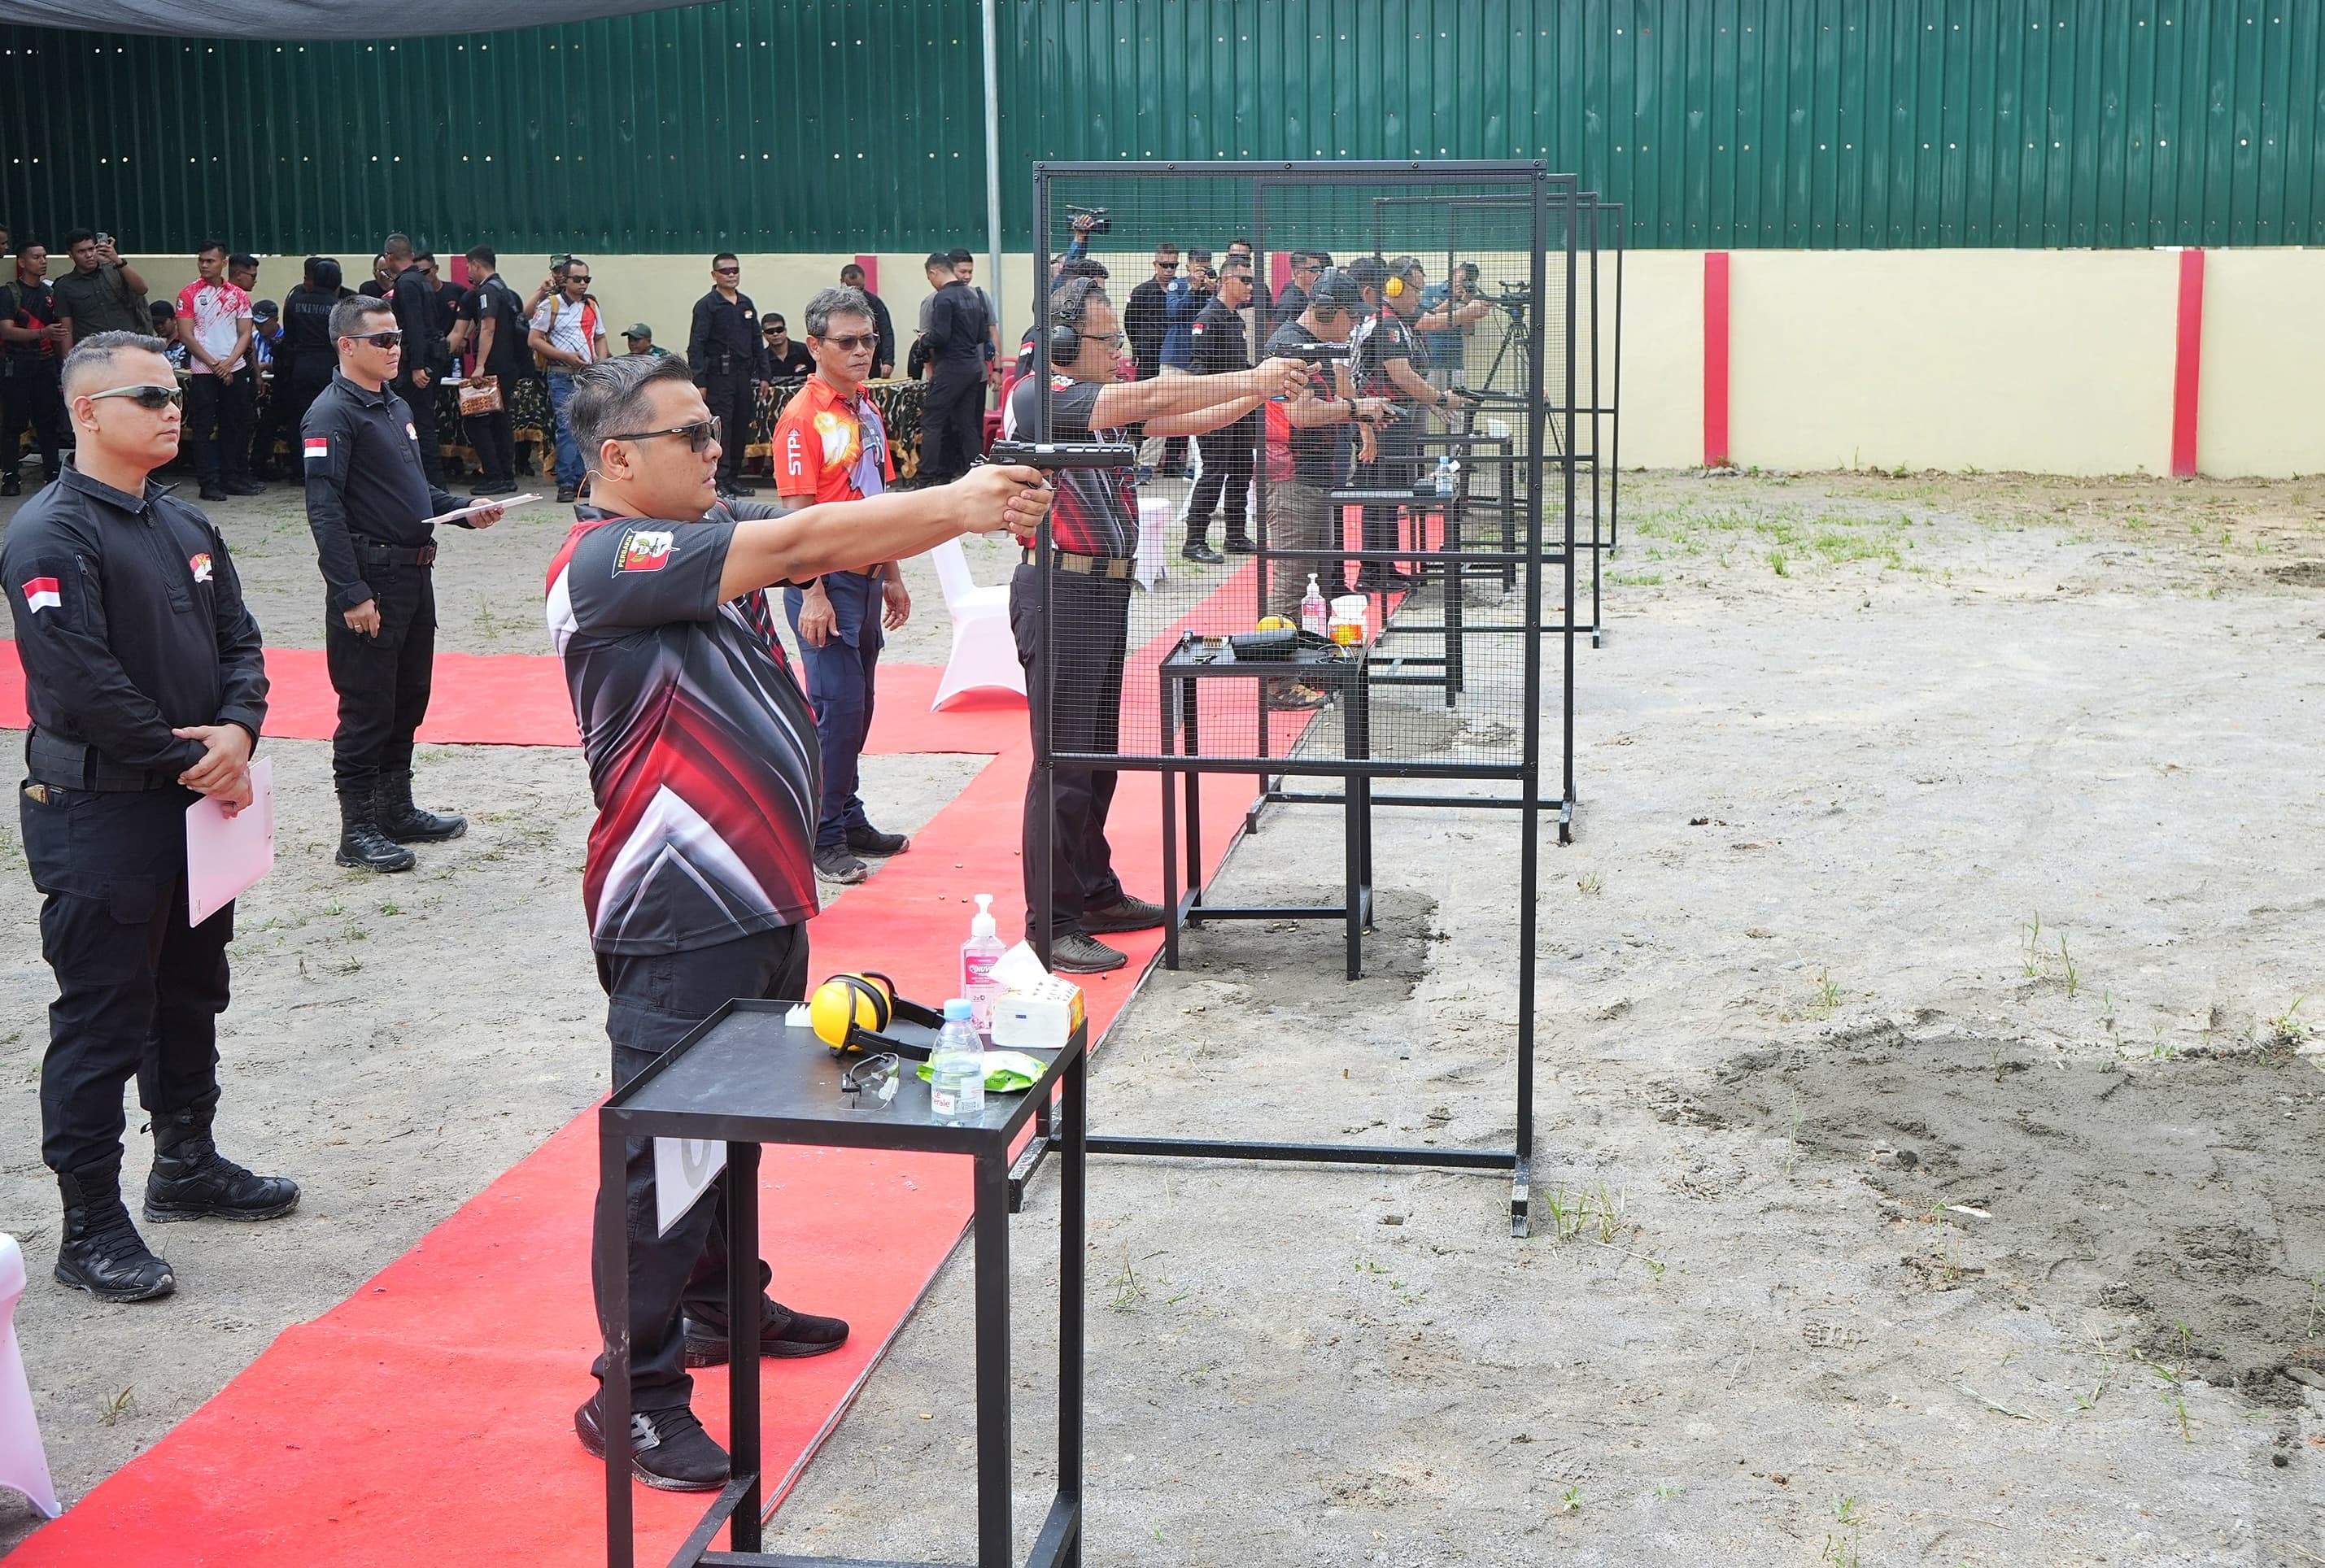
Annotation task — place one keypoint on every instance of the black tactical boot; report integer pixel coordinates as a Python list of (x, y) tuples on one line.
[(102, 1252), (192, 1181), (405, 823), (361, 843)]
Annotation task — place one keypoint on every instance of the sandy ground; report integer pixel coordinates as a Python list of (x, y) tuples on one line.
[(1927, 1116)]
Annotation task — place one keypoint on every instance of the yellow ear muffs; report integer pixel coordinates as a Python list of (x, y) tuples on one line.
[(1395, 289), (849, 1003)]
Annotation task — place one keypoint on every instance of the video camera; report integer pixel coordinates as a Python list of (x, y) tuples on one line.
[(1090, 220), (1050, 457)]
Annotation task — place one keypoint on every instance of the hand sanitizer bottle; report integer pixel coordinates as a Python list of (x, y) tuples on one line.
[(1314, 615), (978, 955)]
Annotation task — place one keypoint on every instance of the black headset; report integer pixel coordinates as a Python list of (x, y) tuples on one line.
[(1068, 308)]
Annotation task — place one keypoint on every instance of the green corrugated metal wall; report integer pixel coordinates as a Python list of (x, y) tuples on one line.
[(845, 125)]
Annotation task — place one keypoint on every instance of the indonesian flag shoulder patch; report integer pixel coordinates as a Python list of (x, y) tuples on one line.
[(201, 564), (644, 551), (318, 449), (41, 594)]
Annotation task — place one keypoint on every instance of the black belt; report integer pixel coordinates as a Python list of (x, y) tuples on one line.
[(69, 765), (388, 554), (1112, 568)]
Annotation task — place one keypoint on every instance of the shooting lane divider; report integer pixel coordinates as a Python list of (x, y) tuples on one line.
[(2188, 361)]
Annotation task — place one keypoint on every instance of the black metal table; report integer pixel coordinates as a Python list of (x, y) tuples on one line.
[(744, 1078), (1342, 677)]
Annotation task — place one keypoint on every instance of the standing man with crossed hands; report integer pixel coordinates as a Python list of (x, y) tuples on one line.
[(373, 512)]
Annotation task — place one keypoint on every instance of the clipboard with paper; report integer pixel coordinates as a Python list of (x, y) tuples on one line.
[(226, 856)]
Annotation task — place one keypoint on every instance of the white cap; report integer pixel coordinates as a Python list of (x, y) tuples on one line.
[(1312, 585), (981, 924)]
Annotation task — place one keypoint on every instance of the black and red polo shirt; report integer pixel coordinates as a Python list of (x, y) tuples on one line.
[(1094, 511), (701, 746)]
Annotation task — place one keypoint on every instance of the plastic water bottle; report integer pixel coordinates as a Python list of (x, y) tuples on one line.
[(1447, 473), (978, 955), (1315, 616), (957, 1067)]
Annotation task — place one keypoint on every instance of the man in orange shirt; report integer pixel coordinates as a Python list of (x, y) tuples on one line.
[(830, 445)]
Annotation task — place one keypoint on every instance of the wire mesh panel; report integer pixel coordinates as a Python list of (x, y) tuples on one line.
[(1406, 446)]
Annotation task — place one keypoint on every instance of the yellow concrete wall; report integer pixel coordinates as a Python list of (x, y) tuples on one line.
[(2262, 408), (2057, 361), (2046, 361)]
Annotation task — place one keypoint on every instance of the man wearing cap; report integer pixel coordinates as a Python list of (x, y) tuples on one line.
[(373, 512), (955, 339), (1383, 349), (147, 690), (728, 357), (637, 338)]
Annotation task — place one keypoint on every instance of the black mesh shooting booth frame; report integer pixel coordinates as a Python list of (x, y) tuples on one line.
[(1550, 211)]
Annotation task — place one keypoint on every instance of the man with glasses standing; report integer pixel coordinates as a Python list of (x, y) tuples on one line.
[(729, 360), (373, 511), (830, 446), (567, 333), (147, 689), (1306, 266)]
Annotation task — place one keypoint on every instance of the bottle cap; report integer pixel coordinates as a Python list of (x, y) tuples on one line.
[(981, 924), (957, 1010), (1312, 585)]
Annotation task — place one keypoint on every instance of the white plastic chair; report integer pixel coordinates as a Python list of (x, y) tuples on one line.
[(984, 649), (1155, 516), (23, 1462)]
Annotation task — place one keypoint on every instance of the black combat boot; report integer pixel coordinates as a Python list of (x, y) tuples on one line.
[(361, 843), (405, 823), (102, 1252), (192, 1181)]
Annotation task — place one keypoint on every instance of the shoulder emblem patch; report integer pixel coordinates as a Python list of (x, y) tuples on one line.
[(201, 564), (644, 551), (41, 594)]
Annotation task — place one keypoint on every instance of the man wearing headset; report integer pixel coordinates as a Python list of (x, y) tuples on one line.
[(1384, 348), (1094, 528)]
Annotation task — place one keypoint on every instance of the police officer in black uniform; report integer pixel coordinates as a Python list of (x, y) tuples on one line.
[(147, 686), (372, 508), (31, 343), (426, 359), (1220, 348), (728, 356)]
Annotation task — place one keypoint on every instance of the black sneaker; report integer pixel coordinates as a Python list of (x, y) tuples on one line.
[(212, 490), (783, 1333), (1129, 915), (836, 864), (10, 484), (568, 493), (669, 1450), (245, 486), (1383, 580), (1239, 544), (740, 491), (870, 840), (1289, 697), (1196, 549), (1073, 953)]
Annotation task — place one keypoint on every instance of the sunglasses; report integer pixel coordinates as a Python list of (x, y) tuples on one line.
[(699, 435), (378, 339), (1167, 266), (875, 1076), (583, 279), (772, 331), (853, 343), (725, 272), (151, 398)]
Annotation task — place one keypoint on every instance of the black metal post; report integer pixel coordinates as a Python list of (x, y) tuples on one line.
[(744, 1449), (613, 1400), (1073, 1255), (991, 1243)]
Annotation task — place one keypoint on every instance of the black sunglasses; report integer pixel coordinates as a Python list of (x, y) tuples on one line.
[(725, 272), (875, 1076), (150, 397), (378, 339), (699, 435), (853, 343)]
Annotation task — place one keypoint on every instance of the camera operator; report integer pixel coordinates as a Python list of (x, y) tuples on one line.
[(1450, 312), (1095, 532), (1384, 350)]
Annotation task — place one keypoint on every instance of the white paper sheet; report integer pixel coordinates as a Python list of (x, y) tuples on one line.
[(227, 855), (500, 501)]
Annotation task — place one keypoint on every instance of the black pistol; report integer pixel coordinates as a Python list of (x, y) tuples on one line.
[(1313, 352), (1050, 457)]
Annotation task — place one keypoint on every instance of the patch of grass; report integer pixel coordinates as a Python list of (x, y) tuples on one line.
[(112, 1410), (1827, 1001), (1839, 1552), (1570, 1501), (1844, 1509), (1779, 562), (1588, 885), (2288, 1029)]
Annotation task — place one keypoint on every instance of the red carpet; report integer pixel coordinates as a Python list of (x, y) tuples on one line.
[(519, 699), (428, 1418)]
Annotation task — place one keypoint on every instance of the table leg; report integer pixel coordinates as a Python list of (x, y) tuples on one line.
[(991, 1261), (743, 1445), (1072, 1254), (1453, 603), (613, 1403)]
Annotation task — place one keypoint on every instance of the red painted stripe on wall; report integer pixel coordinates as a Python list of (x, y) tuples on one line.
[(1715, 359), (2188, 365), (871, 265)]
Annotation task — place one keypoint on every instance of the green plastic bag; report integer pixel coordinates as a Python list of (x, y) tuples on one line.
[(1005, 1071)]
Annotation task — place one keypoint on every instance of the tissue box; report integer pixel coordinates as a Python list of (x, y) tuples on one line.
[(1041, 1017)]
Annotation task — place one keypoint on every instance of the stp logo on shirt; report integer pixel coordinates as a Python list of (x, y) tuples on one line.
[(201, 564), (644, 551)]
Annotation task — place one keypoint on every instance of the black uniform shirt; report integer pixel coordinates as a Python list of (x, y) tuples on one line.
[(364, 481), (129, 623), (1218, 344), (885, 327), (725, 340), (414, 303), (1290, 306), (32, 305), (492, 299), (306, 352), (957, 326)]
